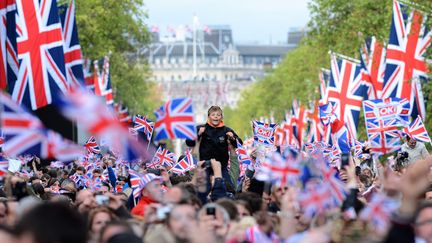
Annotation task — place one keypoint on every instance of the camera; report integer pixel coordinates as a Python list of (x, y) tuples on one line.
[(102, 199), (401, 160), (162, 212), (207, 166), (403, 155), (249, 173), (345, 160)]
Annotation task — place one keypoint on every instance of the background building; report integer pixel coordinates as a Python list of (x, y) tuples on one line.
[(219, 70)]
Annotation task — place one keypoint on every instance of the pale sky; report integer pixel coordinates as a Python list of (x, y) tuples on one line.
[(250, 20)]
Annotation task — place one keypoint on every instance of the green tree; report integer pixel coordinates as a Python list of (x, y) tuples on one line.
[(118, 27), (336, 25)]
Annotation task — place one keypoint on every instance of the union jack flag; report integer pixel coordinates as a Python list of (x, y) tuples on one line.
[(418, 131), (97, 119), (387, 109), (41, 76), (25, 134), (102, 81), (279, 135), (155, 29), (299, 121), (243, 158), (162, 157), (378, 211), (136, 183), (255, 234), (72, 49), (346, 91), (290, 138), (327, 114), (185, 164), (80, 180), (221, 91), (1, 139), (341, 137), (264, 133), (242, 155), (372, 55), (175, 119), (317, 146), (358, 148), (384, 136), (287, 137), (88, 75), (122, 113), (279, 170), (324, 77), (4, 165), (142, 124), (8, 48), (316, 128), (315, 198), (336, 186), (408, 42), (92, 146), (332, 154)]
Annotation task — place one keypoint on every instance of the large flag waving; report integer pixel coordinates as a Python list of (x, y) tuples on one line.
[(418, 131), (346, 91), (175, 119), (25, 135), (299, 121), (387, 109), (264, 133), (8, 56), (373, 65), (102, 81), (98, 120), (408, 42), (41, 77), (72, 48)]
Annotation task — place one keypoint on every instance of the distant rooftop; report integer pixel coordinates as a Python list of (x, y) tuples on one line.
[(263, 50)]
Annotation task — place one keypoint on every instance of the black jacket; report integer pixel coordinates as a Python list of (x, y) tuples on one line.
[(214, 143)]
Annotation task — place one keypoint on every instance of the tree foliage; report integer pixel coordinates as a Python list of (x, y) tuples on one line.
[(118, 27), (336, 25)]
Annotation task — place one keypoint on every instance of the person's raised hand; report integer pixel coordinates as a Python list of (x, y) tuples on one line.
[(415, 180), (413, 184), (246, 184), (201, 131), (230, 135), (351, 175)]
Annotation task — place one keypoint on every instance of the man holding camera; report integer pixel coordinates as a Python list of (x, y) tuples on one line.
[(413, 149)]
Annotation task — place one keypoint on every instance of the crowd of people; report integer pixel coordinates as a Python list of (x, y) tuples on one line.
[(96, 200)]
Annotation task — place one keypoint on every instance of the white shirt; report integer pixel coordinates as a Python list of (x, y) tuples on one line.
[(417, 153)]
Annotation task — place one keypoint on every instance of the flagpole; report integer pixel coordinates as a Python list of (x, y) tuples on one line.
[(344, 57), (422, 9), (194, 47), (148, 142), (148, 145)]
